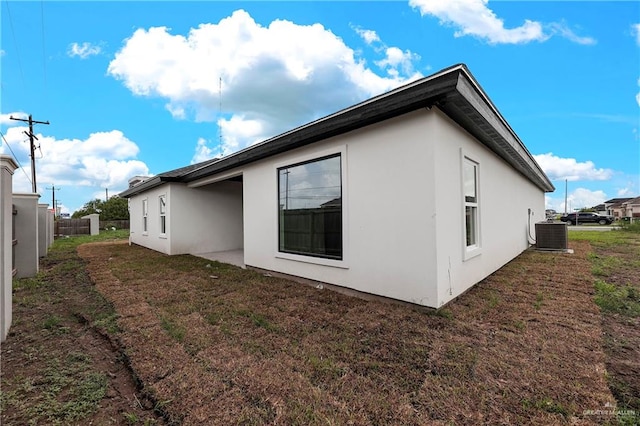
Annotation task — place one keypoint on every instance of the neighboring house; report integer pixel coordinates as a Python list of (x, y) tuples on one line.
[(416, 195), (614, 207), (631, 208)]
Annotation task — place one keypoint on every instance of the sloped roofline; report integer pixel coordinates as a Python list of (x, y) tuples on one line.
[(453, 90)]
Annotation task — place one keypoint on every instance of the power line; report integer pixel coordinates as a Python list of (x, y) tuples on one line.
[(44, 56), (15, 156), (15, 43), (31, 121)]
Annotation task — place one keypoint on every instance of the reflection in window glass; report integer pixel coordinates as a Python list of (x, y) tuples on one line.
[(310, 208), (470, 185), (145, 214), (163, 215)]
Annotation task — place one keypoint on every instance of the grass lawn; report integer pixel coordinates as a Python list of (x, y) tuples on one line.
[(548, 339)]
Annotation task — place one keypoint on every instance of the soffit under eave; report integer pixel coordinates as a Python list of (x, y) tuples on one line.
[(471, 110)]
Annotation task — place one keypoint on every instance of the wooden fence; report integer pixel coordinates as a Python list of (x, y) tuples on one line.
[(72, 227), (316, 231), (118, 224)]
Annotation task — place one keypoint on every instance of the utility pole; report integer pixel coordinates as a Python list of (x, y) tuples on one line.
[(53, 199), (565, 197), (31, 121), (106, 194)]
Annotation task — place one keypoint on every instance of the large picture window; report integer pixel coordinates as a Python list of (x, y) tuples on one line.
[(310, 208), (163, 214), (470, 184)]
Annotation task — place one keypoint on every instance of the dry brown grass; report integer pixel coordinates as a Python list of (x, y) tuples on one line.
[(216, 344)]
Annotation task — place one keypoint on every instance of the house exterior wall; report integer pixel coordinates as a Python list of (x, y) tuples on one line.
[(27, 234), (206, 219), (151, 238), (505, 198), (7, 167), (388, 211), (403, 211), (199, 220)]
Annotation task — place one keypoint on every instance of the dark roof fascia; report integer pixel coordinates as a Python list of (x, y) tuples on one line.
[(146, 185), (453, 90), (471, 108), (407, 98), (170, 176)]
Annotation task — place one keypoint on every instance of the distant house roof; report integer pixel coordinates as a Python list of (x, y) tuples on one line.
[(632, 201), (453, 90), (332, 203), (617, 200)]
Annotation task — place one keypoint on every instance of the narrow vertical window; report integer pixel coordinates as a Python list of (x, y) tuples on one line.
[(310, 208), (470, 188), (145, 215), (163, 214)]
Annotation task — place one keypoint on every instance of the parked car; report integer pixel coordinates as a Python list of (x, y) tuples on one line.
[(586, 217)]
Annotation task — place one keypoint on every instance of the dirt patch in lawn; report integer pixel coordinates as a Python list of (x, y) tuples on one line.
[(215, 344), (61, 363)]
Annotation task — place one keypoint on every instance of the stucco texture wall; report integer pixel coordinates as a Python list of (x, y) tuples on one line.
[(505, 197), (198, 220), (403, 211)]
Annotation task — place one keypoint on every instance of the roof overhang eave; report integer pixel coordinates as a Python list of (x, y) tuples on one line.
[(471, 108), (142, 187)]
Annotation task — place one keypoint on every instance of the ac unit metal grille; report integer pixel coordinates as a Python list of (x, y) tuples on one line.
[(552, 236)]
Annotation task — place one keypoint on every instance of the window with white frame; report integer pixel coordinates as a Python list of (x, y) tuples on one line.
[(471, 209), (145, 215), (163, 214), (310, 208)]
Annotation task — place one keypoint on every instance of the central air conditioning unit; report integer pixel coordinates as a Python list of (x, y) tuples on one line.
[(552, 236)]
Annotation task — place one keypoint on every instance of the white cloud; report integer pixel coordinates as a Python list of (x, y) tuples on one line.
[(239, 132), (398, 62), (369, 36), (635, 30), (638, 94), (5, 119), (2, 52), (625, 192), (83, 50), (558, 168), (176, 111), (202, 152), (475, 18), (561, 29), (577, 199), (103, 160), (274, 77)]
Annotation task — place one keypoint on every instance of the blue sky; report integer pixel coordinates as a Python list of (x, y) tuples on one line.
[(133, 88)]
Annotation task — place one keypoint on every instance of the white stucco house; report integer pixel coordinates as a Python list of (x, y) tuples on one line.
[(416, 195)]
